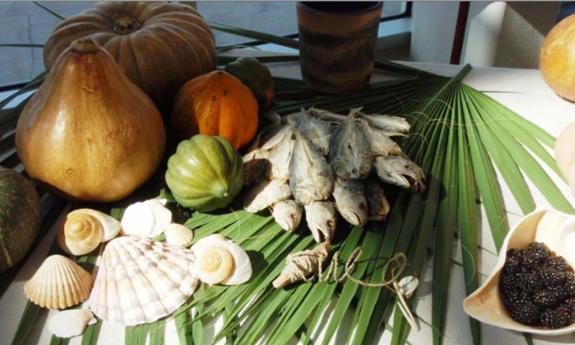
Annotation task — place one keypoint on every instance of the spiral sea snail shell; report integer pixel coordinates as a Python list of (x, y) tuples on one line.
[(221, 261), (84, 229)]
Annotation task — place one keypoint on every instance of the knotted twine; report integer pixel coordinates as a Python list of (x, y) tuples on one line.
[(308, 265)]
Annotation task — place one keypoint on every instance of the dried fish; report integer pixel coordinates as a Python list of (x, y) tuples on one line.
[(350, 201), (350, 154), (321, 220), (310, 177), (287, 214), (390, 125), (401, 171), (271, 162), (380, 143), (315, 130), (265, 194), (378, 206), (301, 167)]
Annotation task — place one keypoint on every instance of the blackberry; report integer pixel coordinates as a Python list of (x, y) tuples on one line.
[(530, 282), (530, 260), (527, 313), (557, 262), (569, 289), (552, 277), (559, 292), (509, 282), (514, 298), (556, 318), (570, 302), (513, 260), (545, 298), (538, 250)]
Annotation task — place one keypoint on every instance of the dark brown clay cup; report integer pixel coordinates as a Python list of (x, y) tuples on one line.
[(337, 43)]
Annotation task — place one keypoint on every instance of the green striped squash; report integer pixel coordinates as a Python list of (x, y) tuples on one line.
[(19, 217), (205, 173)]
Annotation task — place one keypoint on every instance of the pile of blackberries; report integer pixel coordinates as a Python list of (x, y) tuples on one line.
[(538, 288)]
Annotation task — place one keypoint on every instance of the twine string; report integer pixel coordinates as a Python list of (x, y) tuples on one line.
[(308, 266)]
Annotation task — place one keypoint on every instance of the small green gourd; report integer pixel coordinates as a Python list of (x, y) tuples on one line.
[(19, 217), (256, 76), (205, 173)]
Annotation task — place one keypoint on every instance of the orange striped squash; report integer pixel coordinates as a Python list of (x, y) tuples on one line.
[(216, 103)]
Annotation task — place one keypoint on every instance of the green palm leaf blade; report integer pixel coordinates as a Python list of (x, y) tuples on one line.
[(486, 180), (467, 219), (349, 288), (526, 162), (507, 167), (504, 114), (90, 336), (444, 236)]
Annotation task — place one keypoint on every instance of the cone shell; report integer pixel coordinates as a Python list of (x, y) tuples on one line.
[(221, 261), (81, 233), (58, 283), (178, 234), (140, 280), (557, 231)]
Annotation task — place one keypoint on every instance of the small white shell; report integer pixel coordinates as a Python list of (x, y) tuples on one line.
[(178, 234), (408, 285), (557, 231), (217, 245), (69, 323), (146, 218)]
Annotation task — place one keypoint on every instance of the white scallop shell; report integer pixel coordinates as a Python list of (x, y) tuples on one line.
[(242, 270), (557, 231), (69, 323), (140, 280), (146, 218), (178, 234), (58, 283)]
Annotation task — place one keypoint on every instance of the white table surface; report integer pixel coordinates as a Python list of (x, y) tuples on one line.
[(523, 91)]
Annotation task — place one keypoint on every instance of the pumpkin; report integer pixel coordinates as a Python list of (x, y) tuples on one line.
[(19, 217), (158, 45), (205, 173), (557, 59), (216, 103), (89, 132), (256, 76)]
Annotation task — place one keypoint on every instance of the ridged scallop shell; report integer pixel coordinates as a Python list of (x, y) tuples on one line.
[(221, 261), (146, 218), (80, 233), (69, 323), (140, 280), (178, 234), (58, 283), (557, 231)]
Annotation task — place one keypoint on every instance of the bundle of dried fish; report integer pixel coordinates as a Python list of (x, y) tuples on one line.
[(321, 162)]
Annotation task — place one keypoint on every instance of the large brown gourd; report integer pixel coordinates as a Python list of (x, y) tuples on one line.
[(159, 46), (89, 132)]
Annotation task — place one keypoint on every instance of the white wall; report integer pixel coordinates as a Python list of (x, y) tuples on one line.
[(433, 26), (497, 34)]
